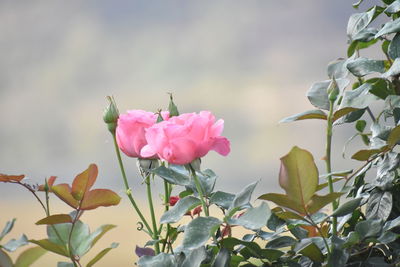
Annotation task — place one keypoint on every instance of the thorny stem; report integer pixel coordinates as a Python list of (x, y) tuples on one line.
[(199, 190), (153, 216), (128, 190), (328, 162)]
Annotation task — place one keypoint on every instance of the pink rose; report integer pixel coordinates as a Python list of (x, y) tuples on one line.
[(186, 137), (130, 132)]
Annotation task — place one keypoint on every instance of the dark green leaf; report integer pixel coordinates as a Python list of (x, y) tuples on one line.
[(253, 218), (379, 205), (307, 248), (161, 260), (394, 69), (199, 231), (222, 199), (394, 47), (310, 114), (29, 256), (380, 87), (364, 66), (347, 207), (283, 200), (387, 237), (172, 175), (179, 210), (195, 257), (394, 136), (351, 117), (360, 125), (223, 258), (368, 228), (281, 242), (389, 27), (242, 198)]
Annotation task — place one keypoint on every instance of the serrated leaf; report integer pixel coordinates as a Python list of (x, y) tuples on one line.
[(242, 198), (180, 209), (318, 202), (389, 27), (298, 175), (101, 254), (283, 200), (253, 218), (363, 66), (310, 114), (394, 69), (99, 198), (347, 207), (55, 219), (199, 231), (84, 181), (222, 199), (29, 256), (379, 205)]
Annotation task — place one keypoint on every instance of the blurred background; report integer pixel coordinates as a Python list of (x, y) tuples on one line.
[(249, 62)]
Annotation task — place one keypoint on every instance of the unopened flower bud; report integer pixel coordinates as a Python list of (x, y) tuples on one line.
[(172, 108), (333, 90), (111, 115)]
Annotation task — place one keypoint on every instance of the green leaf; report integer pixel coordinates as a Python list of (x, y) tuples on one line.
[(358, 22), (7, 228), (84, 181), (359, 98), (55, 219), (101, 254), (172, 175), (284, 201), (337, 69), (50, 246), (99, 198), (310, 114), (379, 205), (394, 69), (356, 5), (253, 218), (380, 87), (387, 237), (340, 113), (63, 191), (307, 248), (365, 154), (64, 264), (5, 260), (347, 207), (318, 202), (394, 47), (222, 199), (91, 240), (281, 242), (251, 249), (172, 108), (161, 260), (242, 199), (298, 175), (318, 95), (180, 209), (222, 259), (288, 215), (389, 27), (389, 225), (13, 244), (195, 257), (365, 35), (80, 233), (394, 136), (199, 231), (393, 7), (363, 66), (368, 228), (29, 256)]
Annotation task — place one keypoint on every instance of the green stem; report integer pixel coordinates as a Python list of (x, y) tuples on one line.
[(71, 255), (328, 162), (166, 205), (311, 221), (128, 190), (152, 213), (199, 190)]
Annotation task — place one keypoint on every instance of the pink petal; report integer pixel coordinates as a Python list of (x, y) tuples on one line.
[(147, 152), (221, 145)]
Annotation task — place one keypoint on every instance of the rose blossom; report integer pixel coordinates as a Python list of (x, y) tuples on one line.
[(130, 132), (186, 137)]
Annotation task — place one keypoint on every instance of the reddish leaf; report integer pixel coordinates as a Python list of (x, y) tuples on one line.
[(99, 197), (84, 181), (63, 191), (55, 219), (11, 178), (50, 183)]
